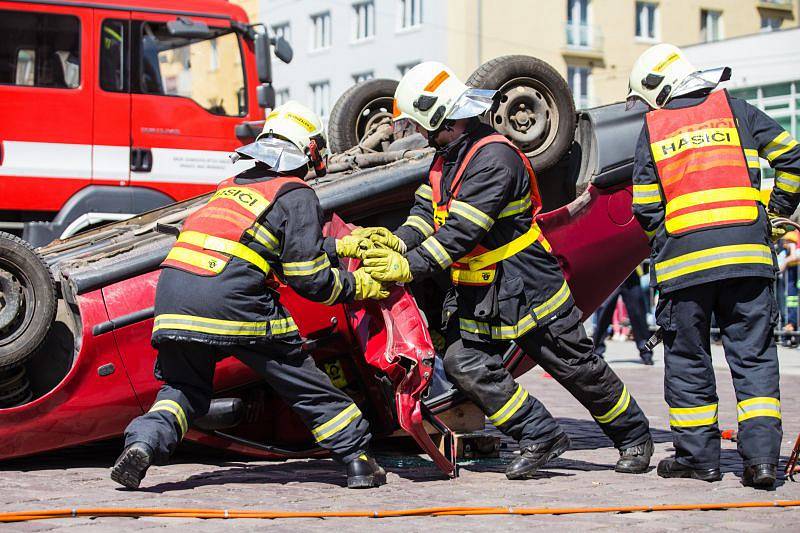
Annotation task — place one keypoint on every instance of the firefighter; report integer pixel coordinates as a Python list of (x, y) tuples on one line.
[(475, 218), (216, 296), (696, 194)]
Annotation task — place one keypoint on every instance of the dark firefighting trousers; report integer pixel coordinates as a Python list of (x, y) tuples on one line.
[(746, 312), (563, 350), (187, 370), (633, 296), (791, 295)]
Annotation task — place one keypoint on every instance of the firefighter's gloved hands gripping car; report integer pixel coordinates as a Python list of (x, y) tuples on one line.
[(696, 183), (214, 298), (475, 218)]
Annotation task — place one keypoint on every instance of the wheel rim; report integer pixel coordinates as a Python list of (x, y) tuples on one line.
[(527, 115), (17, 302), (371, 114)]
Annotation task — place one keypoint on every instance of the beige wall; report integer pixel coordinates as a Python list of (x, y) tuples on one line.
[(251, 7), (537, 28)]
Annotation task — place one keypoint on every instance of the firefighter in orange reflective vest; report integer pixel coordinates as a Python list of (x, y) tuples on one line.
[(474, 218), (215, 296), (696, 194)]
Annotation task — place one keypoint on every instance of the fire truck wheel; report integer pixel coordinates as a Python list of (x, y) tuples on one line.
[(536, 110), (27, 300), (357, 111)]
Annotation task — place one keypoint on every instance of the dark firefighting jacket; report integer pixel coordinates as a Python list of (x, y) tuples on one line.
[(492, 207), (696, 197), (240, 303)]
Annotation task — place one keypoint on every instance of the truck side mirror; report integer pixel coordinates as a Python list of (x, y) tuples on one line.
[(263, 59), (265, 94), (283, 50)]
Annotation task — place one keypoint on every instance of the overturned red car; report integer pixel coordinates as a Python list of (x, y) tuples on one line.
[(76, 363)]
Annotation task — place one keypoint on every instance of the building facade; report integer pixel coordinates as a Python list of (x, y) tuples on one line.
[(592, 43)]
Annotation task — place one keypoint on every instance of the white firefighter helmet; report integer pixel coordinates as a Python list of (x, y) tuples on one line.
[(430, 93), (292, 136)]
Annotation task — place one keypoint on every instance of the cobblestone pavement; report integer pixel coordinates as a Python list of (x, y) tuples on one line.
[(581, 477)]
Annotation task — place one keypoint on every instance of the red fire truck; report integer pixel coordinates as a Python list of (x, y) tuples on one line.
[(114, 107)]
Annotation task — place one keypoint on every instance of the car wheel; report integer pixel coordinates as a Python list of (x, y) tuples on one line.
[(536, 110), (27, 300), (358, 110)]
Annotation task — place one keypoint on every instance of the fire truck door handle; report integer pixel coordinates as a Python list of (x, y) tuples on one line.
[(1, 152), (141, 160)]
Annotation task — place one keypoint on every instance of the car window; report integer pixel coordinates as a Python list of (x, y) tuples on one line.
[(208, 71), (114, 56), (40, 49)]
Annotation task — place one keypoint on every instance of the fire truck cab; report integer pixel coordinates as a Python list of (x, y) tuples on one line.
[(113, 107)]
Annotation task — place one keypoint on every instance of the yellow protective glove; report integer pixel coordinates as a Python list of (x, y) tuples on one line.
[(368, 288), (777, 232), (384, 264), (382, 236), (352, 246)]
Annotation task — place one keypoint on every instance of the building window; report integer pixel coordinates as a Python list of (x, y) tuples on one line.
[(770, 23), (646, 20), (282, 30), (321, 36), (363, 76), (410, 12), (364, 20), (580, 80), (321, 98), (580, 34), (281, 96), (710, 25), (780, 101), (405, 67)]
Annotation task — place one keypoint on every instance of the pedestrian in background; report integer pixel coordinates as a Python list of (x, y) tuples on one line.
[(788, 267)]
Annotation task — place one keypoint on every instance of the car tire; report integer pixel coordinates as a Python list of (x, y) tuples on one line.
[(536, 109), (356, 110), (27, 300)]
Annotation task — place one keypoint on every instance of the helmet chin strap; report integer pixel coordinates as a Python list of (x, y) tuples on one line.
[(446, 125)]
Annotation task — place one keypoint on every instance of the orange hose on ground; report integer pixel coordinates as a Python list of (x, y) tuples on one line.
[(134, 512)]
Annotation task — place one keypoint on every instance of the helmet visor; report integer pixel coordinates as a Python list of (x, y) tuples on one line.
[(702, 79), (278, 154), (473, 103)]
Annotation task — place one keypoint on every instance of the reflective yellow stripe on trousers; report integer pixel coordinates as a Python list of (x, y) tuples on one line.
[(759, 406), (622, 404), (175, 409), (337, 423), (508, 410), (736, 254), (686, 417)]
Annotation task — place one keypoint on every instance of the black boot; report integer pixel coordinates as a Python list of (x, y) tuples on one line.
[(646, 357), (533, 457), (670, 467), (759, 476), (636, 459), (364, 473), (132, 464)]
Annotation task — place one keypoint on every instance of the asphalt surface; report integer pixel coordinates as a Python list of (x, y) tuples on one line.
[(583, 476)]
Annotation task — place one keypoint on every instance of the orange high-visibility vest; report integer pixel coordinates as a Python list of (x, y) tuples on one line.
[(701, 166), (211, 236), (479, 267)]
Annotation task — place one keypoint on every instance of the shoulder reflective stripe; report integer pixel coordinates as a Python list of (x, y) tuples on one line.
[(508, 410), (175, 409), (525, 324), (787, 182), (711, 258), (473, 214), (709, 196), (619, 408), (732, 214), (435, 248), (759, 406), (419, 224), (701, 138), (553, 303), (337, 423), (516, 207), (306, 268), (425, 192), (753, 161), (685, 417), (778, 146), (265, 237), (281, 326), (472, 326), (246, 197), (646, 194), (217, 244), (336, 290), (197, 259), (213, 326), (514, 247)]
